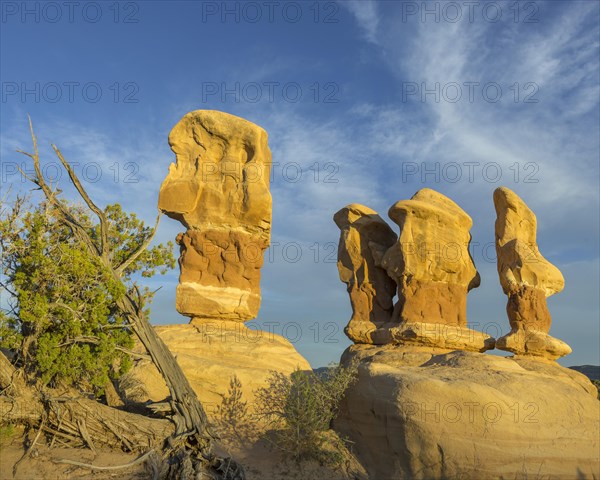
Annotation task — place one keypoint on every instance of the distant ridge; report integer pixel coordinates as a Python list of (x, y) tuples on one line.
[(590, 371)]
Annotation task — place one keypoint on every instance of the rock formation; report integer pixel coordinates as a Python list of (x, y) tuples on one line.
[(364, 239), (421, 407), (434, 271), (429, 265), (219, 189), (527, 278), (210, 354), (428, 414), (431, 262)]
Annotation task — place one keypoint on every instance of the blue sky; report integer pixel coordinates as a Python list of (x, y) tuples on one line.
[(363, 102)]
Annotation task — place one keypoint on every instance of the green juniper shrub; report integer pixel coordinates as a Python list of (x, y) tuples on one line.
[(61, 316), (300, 408)]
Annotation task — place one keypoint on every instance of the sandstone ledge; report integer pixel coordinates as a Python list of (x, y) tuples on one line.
[(538, 344), (449, 337), (426, 413), (210, 352)]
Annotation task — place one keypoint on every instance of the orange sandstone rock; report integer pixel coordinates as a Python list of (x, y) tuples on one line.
[(429, 266), (364, 239), (219, 189), (527, 278)]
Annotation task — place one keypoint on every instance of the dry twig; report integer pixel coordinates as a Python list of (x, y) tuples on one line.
[(111, 467)]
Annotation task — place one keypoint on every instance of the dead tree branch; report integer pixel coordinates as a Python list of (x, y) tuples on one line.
[(137, 461)]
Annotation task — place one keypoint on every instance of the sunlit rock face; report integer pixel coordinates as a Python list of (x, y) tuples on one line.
[(431, 262), (219, 189), (364, 239), (428, 265), (427, 404), (527, 278), (210, 353), (426, 413)]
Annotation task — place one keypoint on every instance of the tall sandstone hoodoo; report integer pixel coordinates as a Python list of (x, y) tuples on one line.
[(434, 271), (364, 239), (527, 278), (431, 262), (219, 189)]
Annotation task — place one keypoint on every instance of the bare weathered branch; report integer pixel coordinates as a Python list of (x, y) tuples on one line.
[(107, 426), (104, 247), (85, 435), (8, 374), (111, 467), (21, 171), (78, 230), (30, 449), (135, 255)]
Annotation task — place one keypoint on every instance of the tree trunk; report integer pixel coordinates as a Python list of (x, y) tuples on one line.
[(189, 416), (84, 422), (76, 420)]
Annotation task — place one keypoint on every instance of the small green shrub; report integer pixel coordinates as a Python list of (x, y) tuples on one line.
[(299, 409), (232, 413)]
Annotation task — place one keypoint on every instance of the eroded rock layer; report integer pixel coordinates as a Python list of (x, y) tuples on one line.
[(428, 266), (364, 239), (527, 278), (431, 263), (219, 189)]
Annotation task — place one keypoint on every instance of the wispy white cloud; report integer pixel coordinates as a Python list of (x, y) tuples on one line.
[(559, 60), (367, 16)]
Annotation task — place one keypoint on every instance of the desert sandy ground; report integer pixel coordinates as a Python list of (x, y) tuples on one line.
[(260, 463)]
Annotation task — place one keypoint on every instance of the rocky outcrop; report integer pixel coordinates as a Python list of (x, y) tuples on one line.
[(219, 189), (429, 266), (426, 404), (431, 414), (364, 239), (434, 271), (431, 262), (220, 274), (210, 353), (527, 278)]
